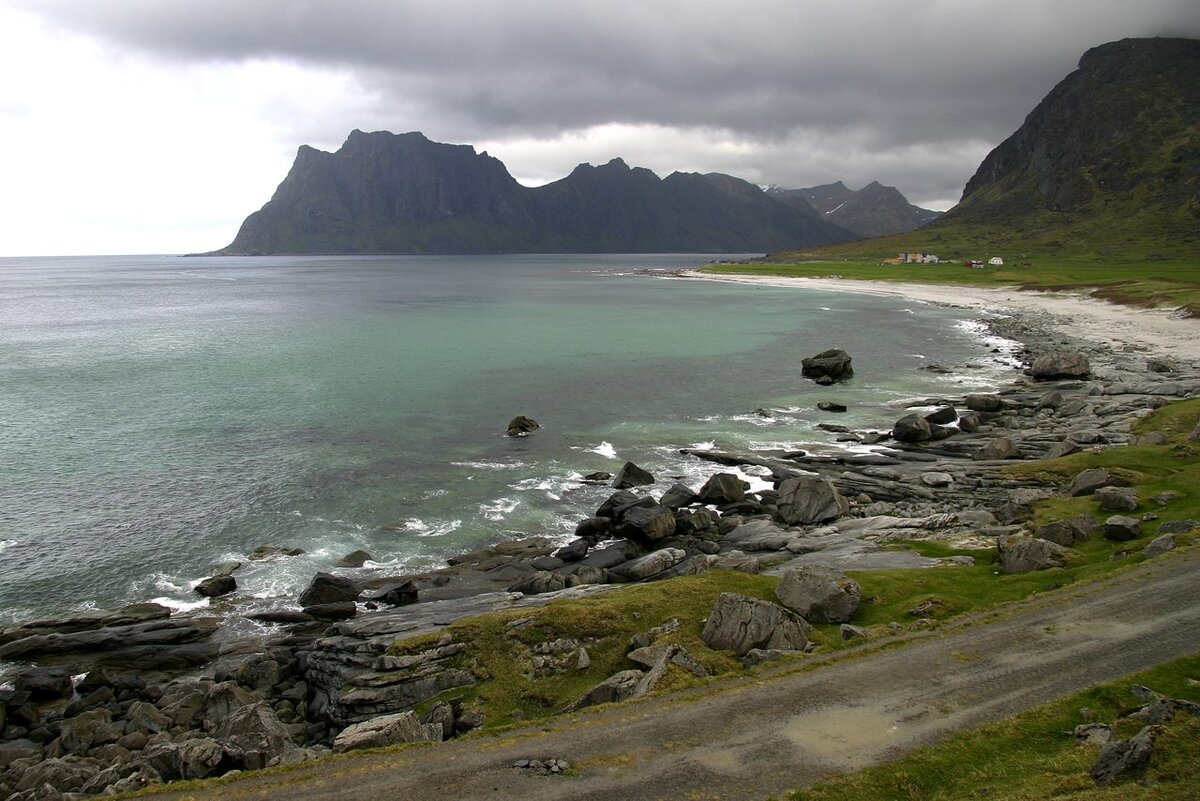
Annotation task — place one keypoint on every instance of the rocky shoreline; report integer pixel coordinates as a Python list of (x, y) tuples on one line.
[(111, 701)]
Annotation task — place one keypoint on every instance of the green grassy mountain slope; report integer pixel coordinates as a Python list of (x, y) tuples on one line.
[(1107, 166)]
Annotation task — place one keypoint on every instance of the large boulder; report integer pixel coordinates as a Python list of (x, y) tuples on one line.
[(88, 729), (1025, 554), (1086, 482), (723, 489), (740, 623), (326, 588), (630, 475), (1117, 499), (805, 500), (539, 582), (997, 449), (216, 586), (834, 363), (1159, 545), (1121, 757), (396, 594), (402, 727), (678, 496), (912, 428), (356, 558), (646, 566), (1120, 528), (201, 757), (617, 687), (45, 683), (257, 732), (942, 415), (647, 524), (1068, 531), (760, 535), (983, 403), (613, 506), (819, 594), (1060, 364), (63, 775)]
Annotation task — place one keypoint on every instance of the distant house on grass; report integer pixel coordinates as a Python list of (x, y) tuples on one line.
[(914, 258), (996, 261), (974, 264)]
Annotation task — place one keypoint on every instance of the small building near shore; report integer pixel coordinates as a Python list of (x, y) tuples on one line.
[(996, 261), (916, 257)]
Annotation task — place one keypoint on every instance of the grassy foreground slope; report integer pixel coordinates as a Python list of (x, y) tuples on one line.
[(1034, 755)]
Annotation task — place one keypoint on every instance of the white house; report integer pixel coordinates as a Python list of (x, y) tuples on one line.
[(996, 261)]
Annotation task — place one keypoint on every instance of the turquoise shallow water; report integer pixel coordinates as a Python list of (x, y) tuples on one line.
[(162, 414)]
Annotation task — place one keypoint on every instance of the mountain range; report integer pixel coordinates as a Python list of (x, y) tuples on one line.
[(874, 210), (1107, 162), (402, 193)]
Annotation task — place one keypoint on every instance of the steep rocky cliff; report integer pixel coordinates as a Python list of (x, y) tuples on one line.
[(1113, 151)]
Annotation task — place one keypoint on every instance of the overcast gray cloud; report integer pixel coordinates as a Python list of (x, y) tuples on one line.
[(784, 91)]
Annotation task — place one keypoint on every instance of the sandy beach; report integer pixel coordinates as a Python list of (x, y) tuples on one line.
[(1154, 330)]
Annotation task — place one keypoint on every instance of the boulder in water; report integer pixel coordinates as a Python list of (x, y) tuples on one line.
[(521, 426), (630, 475), (216, 586), (834, 364), (326, 588)]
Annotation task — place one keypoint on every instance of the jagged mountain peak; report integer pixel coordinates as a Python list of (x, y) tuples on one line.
[(403, 193), (874, 210)]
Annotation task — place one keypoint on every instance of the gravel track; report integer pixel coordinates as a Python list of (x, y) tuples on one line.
[(747, 739)]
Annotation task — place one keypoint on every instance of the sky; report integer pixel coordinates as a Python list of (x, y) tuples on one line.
[(156, 126)]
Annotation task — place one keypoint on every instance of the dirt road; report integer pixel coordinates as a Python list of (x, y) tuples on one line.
[(764, 736)]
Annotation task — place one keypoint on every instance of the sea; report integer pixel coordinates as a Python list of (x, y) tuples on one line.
[(160, 415)]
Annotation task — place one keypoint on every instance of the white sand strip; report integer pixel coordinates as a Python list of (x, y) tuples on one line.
[(1075, 314)]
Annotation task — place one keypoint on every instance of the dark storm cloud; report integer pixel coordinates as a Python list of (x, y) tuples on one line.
[(881, 74)]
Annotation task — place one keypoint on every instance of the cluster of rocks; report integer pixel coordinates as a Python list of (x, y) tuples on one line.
[(1124, 758), (165, 697), (652, 659), (115, 730)]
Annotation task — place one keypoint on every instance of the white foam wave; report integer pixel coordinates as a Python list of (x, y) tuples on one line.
[(604, 449), (499, 508), (176, 605), (6, 544), (480, 465), (756, 419), (437, 529)]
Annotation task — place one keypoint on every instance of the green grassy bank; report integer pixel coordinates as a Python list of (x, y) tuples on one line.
[(1033, 755)]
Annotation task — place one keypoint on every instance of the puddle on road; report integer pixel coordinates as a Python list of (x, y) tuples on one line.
[(848, 737)]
